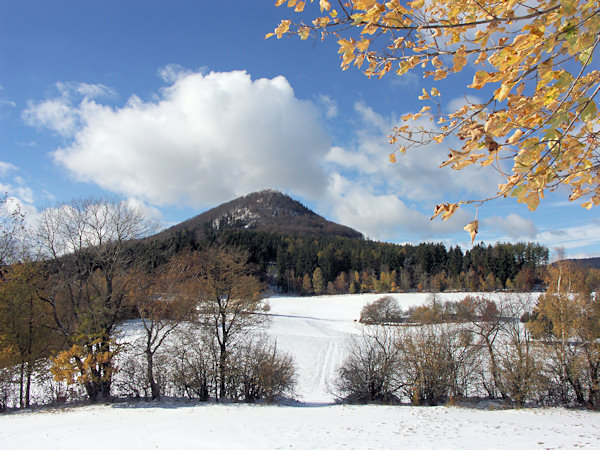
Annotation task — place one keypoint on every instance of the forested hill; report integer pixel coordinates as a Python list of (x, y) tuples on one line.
[(267, 210), (586, 263), (299, 251)]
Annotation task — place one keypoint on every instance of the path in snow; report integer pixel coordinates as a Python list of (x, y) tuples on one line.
[(315, 331)]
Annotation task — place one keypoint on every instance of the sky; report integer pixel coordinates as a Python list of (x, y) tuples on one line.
[(179, 106)]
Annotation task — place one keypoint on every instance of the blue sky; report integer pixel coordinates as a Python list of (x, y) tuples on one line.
[(178, 106)]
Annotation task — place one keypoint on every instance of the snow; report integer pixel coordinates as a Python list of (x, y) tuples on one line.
[(314, 330)]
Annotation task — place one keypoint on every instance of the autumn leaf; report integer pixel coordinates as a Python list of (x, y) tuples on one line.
[(472, 228)]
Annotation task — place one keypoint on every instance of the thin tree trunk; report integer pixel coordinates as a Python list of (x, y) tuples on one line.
[(21, 382), (154, 388)]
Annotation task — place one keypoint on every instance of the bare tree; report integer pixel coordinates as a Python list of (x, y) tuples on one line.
[(86, 243), (371, 372), (487, 322), (163, 300), (12, 226), (229, 300), (519, 361), (431, 362)]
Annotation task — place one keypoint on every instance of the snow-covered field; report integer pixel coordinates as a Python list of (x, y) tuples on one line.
[(314, 331)]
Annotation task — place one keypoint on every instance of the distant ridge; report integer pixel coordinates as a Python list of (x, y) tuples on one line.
[(586, 263), (268, 210)]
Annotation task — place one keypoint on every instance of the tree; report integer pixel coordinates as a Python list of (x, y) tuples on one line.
[(163, 300), (307, 284), (24, 323), (487, 324), (12, 227), (567, 319), (87, 246), (538, 126), (433, 358), (318, 282), (229, 301)]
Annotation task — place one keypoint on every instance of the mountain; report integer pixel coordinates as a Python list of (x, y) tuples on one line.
[(267, 210)]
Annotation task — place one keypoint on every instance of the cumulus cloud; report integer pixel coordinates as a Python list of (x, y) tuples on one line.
[(206, 138), (384, 216), (56, 114)]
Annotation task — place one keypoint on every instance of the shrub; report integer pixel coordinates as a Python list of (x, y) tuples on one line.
[(262, 372), (435, 363), (370, 372), (382, 310)]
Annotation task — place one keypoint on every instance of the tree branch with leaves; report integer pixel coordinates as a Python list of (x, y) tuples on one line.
[(539, 126)]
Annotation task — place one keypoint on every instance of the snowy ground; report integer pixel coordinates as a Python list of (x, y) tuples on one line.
[(314, 330)]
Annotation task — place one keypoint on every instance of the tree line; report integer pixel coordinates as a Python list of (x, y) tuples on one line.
[(338, 265)]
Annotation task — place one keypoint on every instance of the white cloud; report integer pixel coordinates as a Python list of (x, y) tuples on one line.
[(59, 114), (384, 216), (6, 167), (576, 237), (16, 189), (85, 90), (56, 114), (205, 139), (416, 174), (174, 72), (514, 225), (329, 105), (458, 102)]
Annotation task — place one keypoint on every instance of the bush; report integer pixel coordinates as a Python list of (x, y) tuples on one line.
[(262, 372), (370, 372), (194, 372), (382, 310), (435, 364)]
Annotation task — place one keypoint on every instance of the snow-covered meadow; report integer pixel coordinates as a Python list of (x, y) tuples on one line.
[(314, 330)]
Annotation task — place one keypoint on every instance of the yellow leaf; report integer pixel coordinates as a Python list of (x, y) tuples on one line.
[(425, 95), (299, 7), (283, 28), (393, 158), (324, 5), (502, 92), (472, 228), (515, 137), (588, 205), (304, 32)]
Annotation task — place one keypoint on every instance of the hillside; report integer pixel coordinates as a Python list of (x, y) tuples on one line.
[(586, 263), (267, 210)]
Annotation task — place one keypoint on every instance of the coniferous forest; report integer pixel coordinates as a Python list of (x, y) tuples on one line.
[(327, 264)]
